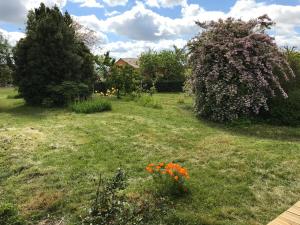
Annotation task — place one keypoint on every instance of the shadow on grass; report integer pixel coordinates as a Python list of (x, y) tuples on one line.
[(26, 111), (253, 128), (258, 129)]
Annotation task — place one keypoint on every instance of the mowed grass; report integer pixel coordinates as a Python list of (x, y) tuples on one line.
[(49, 159)]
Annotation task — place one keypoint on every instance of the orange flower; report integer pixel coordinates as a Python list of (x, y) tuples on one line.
[(149, 169), (151, 165), (176, 178), (158, 168), (161, 164)]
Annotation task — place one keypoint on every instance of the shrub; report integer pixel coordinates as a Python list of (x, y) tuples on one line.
[(172, 177), (9, 215), (287, 111), (233, 65), (91, 106), (111, 206), (148, 101), (52, 65)]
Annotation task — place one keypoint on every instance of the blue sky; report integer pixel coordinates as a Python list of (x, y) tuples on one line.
[(128, 27)]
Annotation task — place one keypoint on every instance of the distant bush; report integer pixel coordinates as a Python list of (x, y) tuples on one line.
[(10, 216), (91, 106), (148, 101), (234, 64)]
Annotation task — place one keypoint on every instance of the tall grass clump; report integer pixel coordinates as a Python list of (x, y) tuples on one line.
[(148, 101), (91, 106)]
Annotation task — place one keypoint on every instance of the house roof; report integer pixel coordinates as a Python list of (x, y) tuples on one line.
[(134, 62)]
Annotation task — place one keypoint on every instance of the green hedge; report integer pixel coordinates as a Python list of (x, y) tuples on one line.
[(285, 111)]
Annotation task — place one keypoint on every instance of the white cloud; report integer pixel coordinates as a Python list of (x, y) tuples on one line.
[(14, 11), (143, 26), (166, 3), (12, 37), (88, 3), (135, 48), (116, 2), (112, 13)]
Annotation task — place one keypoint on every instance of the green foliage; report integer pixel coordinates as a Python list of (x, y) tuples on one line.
[(10, 216), (124, 79), (163, 67), (91, 106), (111, 206), (148, 101), (103, 65), (5, 63), (53, 66), (286, 111), (234, 64)]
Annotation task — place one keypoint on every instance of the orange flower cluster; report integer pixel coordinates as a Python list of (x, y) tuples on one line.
[(172, 169)]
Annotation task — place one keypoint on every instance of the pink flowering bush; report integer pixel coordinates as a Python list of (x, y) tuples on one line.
[(233, 65)]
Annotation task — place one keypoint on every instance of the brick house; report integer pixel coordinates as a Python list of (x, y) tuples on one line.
[(134, 62)]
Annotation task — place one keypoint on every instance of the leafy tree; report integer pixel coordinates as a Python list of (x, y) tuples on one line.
[(104, 63), (171, 66), (124, 79), (166, 66), (149, 64), (233, 64), (53, 65), (5, 62)]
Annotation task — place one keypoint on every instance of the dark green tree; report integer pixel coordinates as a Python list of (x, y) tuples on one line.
[(53, 65), (5, 62)]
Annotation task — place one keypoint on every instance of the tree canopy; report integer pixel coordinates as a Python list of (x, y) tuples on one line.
[(5, 62), (53, 66)]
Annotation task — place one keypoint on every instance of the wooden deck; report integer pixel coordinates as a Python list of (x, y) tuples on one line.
[(289, 217)]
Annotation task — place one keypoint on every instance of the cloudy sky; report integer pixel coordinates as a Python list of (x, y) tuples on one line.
[(128, 27)]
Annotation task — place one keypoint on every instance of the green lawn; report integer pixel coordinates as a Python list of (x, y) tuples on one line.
[(243, 174)]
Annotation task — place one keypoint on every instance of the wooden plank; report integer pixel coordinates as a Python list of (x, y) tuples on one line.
[(279, 221), (294, 219), (295, 210), (289, 217)]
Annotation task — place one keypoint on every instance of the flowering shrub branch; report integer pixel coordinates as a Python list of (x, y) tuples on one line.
[(234, 64)]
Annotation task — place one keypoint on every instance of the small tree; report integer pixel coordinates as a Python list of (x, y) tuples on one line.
[(5, 62), (233, 64), (53, 65), (125, 79), (163, 68)]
